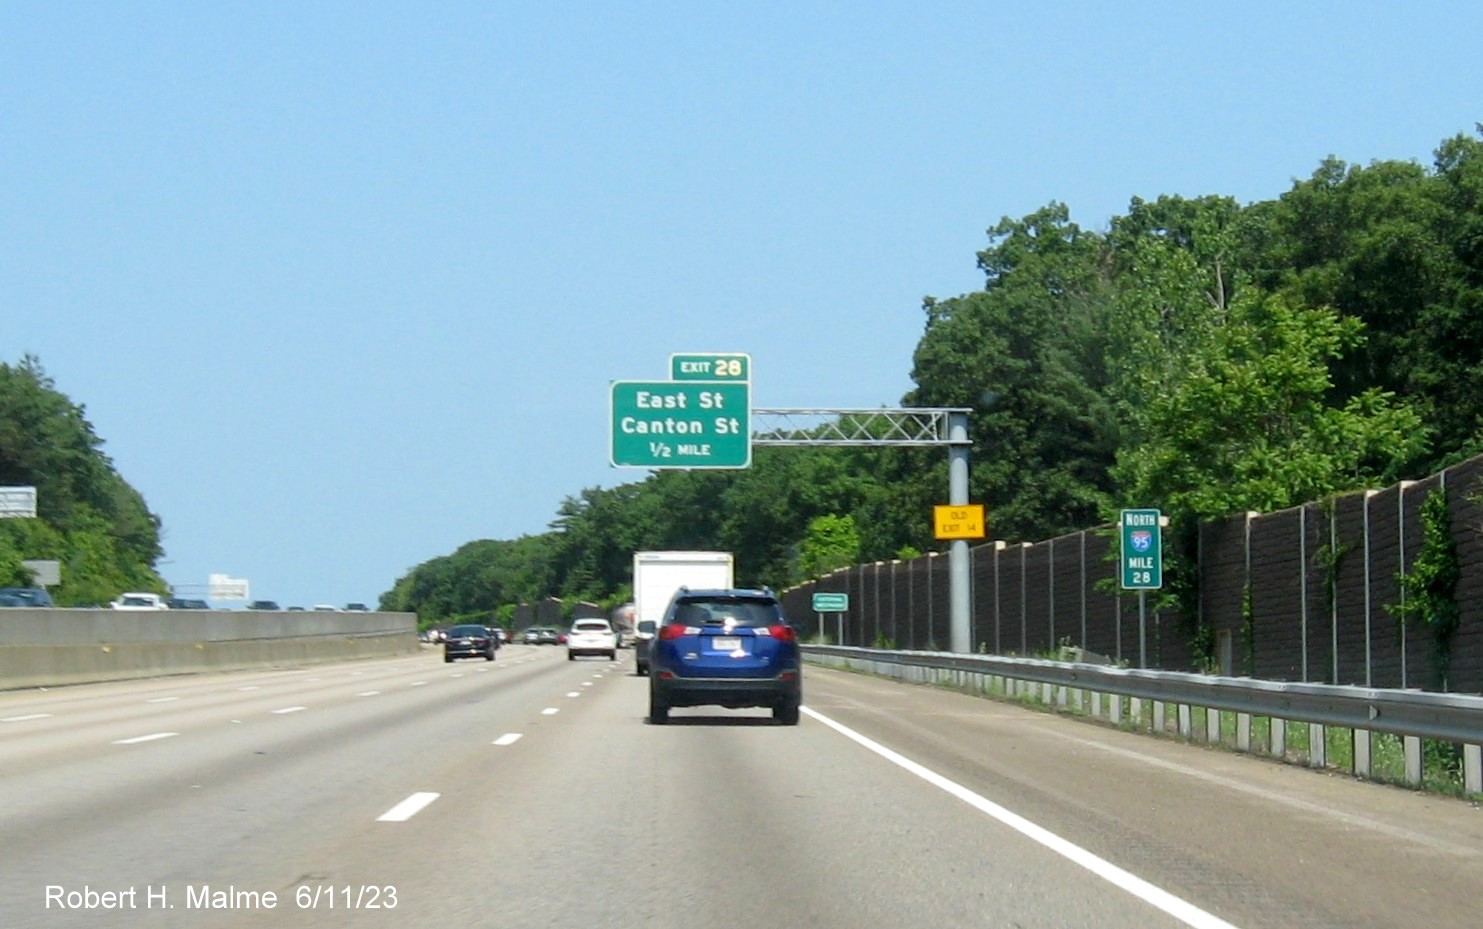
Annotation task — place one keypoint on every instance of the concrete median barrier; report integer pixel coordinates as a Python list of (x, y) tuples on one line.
[(48, 648)]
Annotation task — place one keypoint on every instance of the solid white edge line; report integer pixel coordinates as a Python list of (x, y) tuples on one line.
[(1180, 909), (27, 718), (153, 736), (408, 808), (509, 738)]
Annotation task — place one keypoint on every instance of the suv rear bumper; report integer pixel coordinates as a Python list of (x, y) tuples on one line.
[(729, 692)]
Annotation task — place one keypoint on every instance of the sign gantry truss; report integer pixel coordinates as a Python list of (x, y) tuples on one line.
[(907, 426)]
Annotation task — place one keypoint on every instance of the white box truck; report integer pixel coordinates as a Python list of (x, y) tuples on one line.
[(656, 577)]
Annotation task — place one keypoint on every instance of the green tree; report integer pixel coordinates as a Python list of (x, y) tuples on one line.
[(832, 542), (88, 517)]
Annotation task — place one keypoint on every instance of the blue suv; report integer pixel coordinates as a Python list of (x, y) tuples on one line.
[(731, 648)]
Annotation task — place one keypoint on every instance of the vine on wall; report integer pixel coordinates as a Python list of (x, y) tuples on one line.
[(1430, 586)]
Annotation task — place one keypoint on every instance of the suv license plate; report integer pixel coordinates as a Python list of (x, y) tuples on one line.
[(726, 643)]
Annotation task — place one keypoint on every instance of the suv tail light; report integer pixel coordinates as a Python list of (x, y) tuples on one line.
[(673, 631), (783, 633)]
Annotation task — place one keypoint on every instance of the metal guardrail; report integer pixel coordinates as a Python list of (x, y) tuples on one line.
[(1448, 717)]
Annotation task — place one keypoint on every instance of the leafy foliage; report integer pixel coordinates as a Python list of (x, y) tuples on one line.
[(831, 543), (1431, 585), (88, 517), (1200, 356)]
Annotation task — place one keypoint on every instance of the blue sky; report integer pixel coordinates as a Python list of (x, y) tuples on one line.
[(343, 285)]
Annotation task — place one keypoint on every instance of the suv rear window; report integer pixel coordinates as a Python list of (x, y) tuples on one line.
[(744, 611), (468, 631), (592, 625)]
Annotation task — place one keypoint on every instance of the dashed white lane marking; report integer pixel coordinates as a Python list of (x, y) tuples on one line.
[(161, 699), (369, 693), (407, 808), (586, 683), (291, 709), (418, 684), (27, 718), (509, 738), (253, 687), (550, 711), (574, 693), (459, 674), (1180, 909), (153, 736)]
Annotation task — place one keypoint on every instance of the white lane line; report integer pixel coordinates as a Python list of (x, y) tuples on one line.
[(161, 699), (369, 693), (574, 693), (509, 738), (407, 808), (27, 718), (550, 711), (1180, 909), (586, 683), (253, 687), (459, 674), (418, 684), (291, 709), (153, 736)]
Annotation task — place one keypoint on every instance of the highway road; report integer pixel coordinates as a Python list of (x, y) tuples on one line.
[(530, 792)]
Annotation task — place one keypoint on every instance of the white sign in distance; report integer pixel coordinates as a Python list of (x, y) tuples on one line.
[(44, 573), (222, 587), (18, 502)]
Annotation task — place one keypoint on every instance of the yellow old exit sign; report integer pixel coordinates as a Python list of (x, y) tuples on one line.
[(965, 521)]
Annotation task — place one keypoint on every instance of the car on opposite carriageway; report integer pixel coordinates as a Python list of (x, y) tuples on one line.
[(469, 641)]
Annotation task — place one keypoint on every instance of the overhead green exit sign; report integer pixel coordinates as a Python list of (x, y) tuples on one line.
[(680, 424)]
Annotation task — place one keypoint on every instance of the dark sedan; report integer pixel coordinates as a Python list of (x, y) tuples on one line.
[(468, 642)]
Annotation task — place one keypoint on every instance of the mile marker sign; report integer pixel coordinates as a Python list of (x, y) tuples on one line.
[(1142, 549)]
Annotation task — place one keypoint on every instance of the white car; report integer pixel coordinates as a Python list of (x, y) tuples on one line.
[(139, 601), (591, 637)]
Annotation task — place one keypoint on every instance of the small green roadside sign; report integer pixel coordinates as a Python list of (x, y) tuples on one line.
[(831, 603), (1142, 549)]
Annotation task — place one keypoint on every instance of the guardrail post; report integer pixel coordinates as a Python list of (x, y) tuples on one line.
[(1158, 716), (1186, 721), (1472, 769), (1135, 710), (1243, 732), (1097, 704), (1277, 743), (1413, 760), (1212, 726), (1363, 752), (1318, 747)]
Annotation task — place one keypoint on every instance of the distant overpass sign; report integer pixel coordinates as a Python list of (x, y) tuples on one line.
[(222, 587)]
